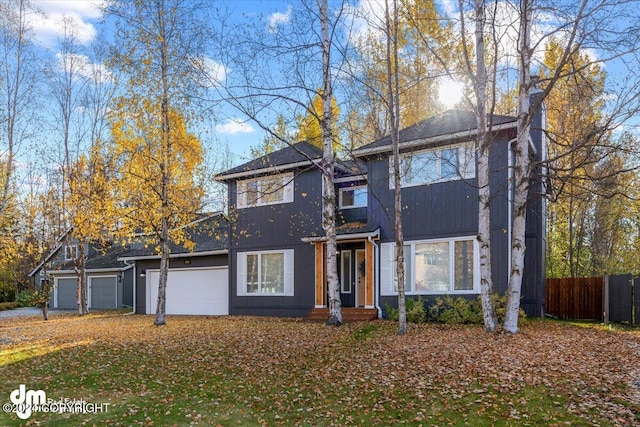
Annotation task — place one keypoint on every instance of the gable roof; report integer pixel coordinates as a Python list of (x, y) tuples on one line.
[(451, 124), (296, 155), (209, 236)]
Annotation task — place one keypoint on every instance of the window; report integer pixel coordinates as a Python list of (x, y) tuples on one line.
[(70, 252), (265, 273), (433, 267), (266, 190), (345, 271), (435, 165), (353, 197)]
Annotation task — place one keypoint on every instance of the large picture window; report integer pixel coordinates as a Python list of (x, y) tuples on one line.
[(435, 165), (433, 267), (265, 190), (265, 273)]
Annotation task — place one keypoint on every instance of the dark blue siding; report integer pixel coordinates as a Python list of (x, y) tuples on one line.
[(280, 226)]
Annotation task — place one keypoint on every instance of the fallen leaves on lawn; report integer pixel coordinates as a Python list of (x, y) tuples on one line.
[(230, 370)]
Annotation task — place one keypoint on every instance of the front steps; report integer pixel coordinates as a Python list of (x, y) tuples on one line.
[(349, 314)]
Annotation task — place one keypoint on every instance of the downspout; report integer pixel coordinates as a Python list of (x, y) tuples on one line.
[(376, 263), (135, 281)]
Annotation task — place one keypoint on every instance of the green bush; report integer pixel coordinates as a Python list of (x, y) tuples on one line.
[(415, 310), (448, 309), (455, 310), (26, 299)]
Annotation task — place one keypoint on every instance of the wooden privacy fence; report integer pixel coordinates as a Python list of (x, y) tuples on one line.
[(610, 298), (574, 298)]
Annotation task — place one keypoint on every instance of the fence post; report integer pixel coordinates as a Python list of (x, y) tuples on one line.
[(605, 299)]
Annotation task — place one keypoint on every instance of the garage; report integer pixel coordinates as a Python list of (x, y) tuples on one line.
[(65, 293), (103, 292), (202, 291)]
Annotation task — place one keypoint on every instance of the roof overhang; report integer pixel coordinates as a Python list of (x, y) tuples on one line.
[(466, 134), (89, 270), (272, 169), (172, 256), (345, 237)]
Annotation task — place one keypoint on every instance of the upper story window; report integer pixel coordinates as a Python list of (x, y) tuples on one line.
[(70, 252), (435, 165), (353, 197), (265, 190)]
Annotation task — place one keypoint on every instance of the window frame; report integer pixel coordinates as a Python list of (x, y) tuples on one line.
[(242, 273), (354, 189), (466, 168), (243, 193), (70, 252), (389, 266)]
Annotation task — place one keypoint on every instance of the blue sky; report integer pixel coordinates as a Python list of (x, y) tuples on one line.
[(231, 127)]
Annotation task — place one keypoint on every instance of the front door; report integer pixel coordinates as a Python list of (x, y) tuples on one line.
[(360, 275), (347, 278)]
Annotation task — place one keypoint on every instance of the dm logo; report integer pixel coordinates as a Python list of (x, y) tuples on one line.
[(27, 400)]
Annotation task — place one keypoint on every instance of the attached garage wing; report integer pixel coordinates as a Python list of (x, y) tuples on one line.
[(202, 291), (66, 293), (103, 292)]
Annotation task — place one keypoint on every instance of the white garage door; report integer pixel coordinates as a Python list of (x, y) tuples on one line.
[(191, 291)]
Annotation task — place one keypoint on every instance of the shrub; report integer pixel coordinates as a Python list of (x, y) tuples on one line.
[(455, 310), (450, 310), (7, 305), (415, 311), (26, 299)]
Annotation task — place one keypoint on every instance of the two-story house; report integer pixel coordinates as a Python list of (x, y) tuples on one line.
[(276, 245), (267, 256)]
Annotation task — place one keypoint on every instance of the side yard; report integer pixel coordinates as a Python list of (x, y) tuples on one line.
[(266, 371)]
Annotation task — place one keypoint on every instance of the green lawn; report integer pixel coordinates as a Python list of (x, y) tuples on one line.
[(264, 371)]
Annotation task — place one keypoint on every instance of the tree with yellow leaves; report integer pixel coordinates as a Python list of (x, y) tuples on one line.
[(158, 185), (158, 47), (91, 207), (309, 126)]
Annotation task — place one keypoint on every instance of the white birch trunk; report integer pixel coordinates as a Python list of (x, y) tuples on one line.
[(328, 162), (161, 307), (393, 87), (521, 171), (483, 143), (165, 169)]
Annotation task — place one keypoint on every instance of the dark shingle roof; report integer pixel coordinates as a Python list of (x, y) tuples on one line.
[(207, 235), (106, 258), (448, 123), (296, 153)]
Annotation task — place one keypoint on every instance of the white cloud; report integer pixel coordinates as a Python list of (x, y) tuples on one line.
[(82, 66), (214, 73), (367, 17), (48, 26), (234, 126), (277, 18)]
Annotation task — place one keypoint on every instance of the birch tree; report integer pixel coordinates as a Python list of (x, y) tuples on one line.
[(301, 83), (480, 80), (393, 109), (159, 47), (585, 25), (18, 79)]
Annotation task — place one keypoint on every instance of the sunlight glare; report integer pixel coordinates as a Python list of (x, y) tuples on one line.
[(450, 92)]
